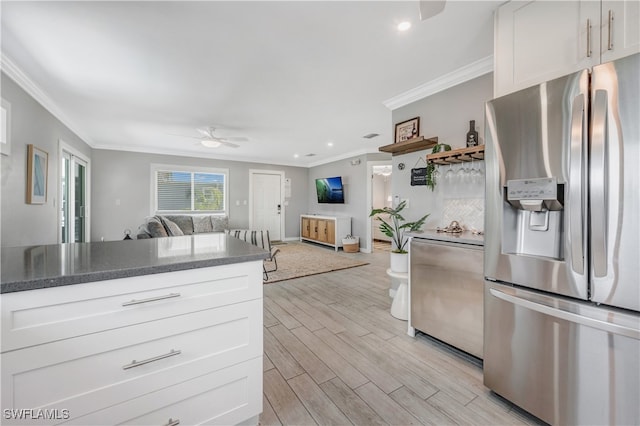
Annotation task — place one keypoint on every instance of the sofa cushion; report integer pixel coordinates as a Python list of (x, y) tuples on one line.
[(219, 223), (173, 230), (155, 228), (202, 224), (183, 221)]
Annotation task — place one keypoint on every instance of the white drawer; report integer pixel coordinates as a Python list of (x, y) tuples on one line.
[(225, 397), (46, 315), (87, 373)]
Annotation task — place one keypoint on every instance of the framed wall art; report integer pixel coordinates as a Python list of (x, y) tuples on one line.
[(37, 169), (407, 130)]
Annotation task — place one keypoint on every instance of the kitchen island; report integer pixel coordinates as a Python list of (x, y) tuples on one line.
[(155, 331)]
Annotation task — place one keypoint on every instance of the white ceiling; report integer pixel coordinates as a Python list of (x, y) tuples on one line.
[(290, 76)]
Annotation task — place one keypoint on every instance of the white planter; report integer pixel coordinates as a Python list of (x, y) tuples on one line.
[(400, 262)]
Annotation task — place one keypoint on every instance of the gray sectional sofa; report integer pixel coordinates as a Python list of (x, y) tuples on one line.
[(181, 224)]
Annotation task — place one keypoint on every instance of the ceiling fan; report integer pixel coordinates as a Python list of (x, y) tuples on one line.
[(430, 8), (210, 140)]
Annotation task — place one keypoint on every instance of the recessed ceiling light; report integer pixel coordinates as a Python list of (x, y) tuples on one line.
[(404, 26), (295, 156), (329, 143)]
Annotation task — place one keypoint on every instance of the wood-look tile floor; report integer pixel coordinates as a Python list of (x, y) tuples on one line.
[(334, 355)]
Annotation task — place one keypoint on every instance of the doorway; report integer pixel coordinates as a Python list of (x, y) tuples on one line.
[(379, 196), (74, 187), (266, 212)]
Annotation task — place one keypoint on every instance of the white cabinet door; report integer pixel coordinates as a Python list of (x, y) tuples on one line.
[(537, 41), (620, 29)]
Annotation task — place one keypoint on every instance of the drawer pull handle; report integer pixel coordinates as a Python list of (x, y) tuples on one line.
[(172, 422), (135, 363), (151, 299)]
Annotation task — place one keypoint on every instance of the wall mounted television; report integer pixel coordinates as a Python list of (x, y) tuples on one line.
[(330, 190)]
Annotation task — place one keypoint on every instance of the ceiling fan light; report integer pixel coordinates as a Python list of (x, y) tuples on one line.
[(210, 143), (404, 26)]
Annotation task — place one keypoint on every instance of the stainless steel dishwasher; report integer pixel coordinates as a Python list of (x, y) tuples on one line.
[(446, 288)]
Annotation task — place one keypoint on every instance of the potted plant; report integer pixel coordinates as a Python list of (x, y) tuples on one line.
[(395, 229), (431, 168)]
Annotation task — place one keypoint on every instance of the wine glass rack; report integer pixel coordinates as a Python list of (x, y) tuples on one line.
[(460, 155)]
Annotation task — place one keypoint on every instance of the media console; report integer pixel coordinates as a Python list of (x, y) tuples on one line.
[(327, 230)]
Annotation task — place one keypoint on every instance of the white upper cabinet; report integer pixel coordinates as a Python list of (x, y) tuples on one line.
[(620, 29), (536, 41)]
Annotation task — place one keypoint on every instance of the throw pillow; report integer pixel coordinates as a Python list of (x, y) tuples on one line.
[(219, 223), (172, 229), (155, 228), (202, 224), (183, 221)]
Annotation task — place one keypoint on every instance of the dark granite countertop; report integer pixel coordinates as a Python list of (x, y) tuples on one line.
[(35, 267), (466, 237)]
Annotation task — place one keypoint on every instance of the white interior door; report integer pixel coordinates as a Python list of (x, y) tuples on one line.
[(266, 210)]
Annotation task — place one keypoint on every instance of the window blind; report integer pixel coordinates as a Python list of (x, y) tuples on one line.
[(190, 191)]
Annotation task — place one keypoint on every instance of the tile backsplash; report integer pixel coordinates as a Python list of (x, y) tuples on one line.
[(469, 212)]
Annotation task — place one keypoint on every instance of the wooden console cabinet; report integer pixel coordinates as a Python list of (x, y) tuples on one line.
[(327, 230)]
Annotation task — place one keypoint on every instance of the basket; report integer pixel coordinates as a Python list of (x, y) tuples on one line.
[(351, 245)]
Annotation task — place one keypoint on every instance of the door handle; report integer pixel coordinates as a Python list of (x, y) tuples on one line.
[(279, 208), (576, 184), (566, 315), (598, 182)]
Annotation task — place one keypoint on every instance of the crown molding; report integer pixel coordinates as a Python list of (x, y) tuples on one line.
[(468, 72), (14, 72)]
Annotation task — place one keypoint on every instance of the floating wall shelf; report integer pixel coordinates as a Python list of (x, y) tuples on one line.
[(461, 155), (412, 145)]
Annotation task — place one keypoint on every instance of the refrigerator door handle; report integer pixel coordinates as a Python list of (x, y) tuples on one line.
[(598, 182), (576, 176), (567, 316)]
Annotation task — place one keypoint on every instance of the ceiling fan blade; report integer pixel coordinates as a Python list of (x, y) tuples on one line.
[(429, 8), (237, 139), (229, 144)]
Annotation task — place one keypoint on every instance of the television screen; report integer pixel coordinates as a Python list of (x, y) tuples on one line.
[(330, 190)]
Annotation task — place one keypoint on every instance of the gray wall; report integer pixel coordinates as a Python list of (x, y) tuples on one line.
[(126, 176), (22, 223), (354, 179), (446, 115)]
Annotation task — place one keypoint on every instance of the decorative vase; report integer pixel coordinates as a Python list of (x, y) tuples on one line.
[(400, 262)]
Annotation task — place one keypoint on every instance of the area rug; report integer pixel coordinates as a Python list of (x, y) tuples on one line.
[(300, 260)]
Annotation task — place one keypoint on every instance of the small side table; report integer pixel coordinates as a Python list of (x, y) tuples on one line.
[(400, 305)]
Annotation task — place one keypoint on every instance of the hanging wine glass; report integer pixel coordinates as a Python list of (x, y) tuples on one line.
[(449, 175)]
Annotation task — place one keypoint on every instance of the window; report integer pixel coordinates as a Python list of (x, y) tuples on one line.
[(189, 189)]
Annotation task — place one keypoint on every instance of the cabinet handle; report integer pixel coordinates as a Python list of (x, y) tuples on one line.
[(172, 422), (610, 29), (151, 299), (588, 38), (135, 363)]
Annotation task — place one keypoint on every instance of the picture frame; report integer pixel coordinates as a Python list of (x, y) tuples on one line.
[(407, 130), (37, 174)]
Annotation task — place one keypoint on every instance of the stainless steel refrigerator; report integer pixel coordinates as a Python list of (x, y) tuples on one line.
[(562, 247)]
